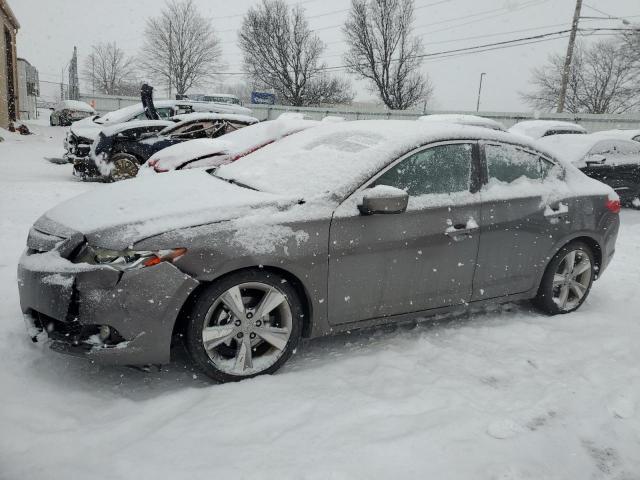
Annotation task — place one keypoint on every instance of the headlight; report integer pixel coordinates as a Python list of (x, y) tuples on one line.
[(132, 259)]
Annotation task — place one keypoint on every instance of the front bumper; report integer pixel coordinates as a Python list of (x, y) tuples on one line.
[(86, 169), (69, 302), (76, 146)]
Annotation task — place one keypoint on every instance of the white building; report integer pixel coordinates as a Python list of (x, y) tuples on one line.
[(28, 90)]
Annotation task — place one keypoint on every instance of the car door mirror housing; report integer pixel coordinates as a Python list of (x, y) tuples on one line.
[(383, 199), (595, 159)]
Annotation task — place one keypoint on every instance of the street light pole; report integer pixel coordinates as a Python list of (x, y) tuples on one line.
[(479, 91)]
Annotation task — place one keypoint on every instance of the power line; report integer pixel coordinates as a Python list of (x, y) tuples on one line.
[(515, 42)]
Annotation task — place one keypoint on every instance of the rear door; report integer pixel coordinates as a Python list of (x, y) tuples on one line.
[(387, 264), (520, 221)]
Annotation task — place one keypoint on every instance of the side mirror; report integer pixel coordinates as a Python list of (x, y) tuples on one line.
[(52, 109), (595, 159), (383, 199)]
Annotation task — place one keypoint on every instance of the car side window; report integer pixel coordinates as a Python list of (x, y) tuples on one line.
[(164, 113), (508, 163), (439, 169), (637, 138)]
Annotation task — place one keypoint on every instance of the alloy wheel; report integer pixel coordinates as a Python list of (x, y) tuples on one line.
[(572, 280), (247, 329)]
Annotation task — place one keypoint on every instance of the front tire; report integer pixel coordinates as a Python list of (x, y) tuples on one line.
[(567, 280), (124, 166), (246, 324)]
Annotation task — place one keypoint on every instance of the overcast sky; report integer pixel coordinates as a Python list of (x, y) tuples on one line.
[(50, 29)]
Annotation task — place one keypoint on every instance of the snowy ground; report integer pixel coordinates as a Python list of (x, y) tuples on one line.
[(507, 394)]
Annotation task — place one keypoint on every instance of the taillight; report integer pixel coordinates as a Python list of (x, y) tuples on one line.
[(613, 206)]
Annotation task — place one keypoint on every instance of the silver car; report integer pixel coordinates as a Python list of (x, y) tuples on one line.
[(342, 226)]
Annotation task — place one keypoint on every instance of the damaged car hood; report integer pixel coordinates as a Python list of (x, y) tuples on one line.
[(119, 215)]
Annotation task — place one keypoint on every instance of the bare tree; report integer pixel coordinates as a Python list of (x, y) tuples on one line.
[(181, 47), (282, 53), (602, 80), (108, 69), (383, 50)]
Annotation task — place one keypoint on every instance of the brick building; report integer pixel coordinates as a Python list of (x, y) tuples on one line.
[(8, 65)]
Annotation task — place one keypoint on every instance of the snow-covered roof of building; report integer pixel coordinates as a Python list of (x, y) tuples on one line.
[(539, 128), (462, 119)]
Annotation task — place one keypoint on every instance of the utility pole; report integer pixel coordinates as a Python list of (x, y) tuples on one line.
[(566, 71), (479, 92)]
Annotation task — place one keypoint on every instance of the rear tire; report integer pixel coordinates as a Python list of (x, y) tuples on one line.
[(246, 324), (124, 166), (567, 281)]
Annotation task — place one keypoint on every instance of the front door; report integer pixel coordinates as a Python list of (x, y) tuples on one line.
[(388, 264)]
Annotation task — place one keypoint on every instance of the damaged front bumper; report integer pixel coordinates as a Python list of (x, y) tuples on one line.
[(86, 169), (112, 317)]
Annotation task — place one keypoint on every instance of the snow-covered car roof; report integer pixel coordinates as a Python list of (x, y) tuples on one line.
[(231, 117), (75, 105), (121, 127), (461, 119), (234, 143), (540, 128), (575, 147), (336, 157), (628, 134)]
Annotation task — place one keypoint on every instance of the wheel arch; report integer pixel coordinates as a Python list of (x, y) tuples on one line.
[(183, 316), (585, 238)]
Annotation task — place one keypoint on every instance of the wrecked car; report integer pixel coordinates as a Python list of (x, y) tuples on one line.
[(118, 151)]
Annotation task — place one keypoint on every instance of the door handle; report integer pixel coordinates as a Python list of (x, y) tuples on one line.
[(556, 211), (460, 229)]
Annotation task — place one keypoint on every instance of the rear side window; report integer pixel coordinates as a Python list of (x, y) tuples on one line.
[(439, 169), (507, 163)]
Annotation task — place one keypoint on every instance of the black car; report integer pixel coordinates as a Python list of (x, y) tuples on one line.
[(118, 151), (609, 159)]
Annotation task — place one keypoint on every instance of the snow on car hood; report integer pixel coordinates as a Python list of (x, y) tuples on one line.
[(119, 215), (86, 128)]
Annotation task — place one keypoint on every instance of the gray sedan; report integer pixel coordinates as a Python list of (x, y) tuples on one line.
[(338, 227)]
